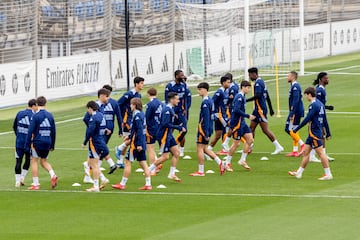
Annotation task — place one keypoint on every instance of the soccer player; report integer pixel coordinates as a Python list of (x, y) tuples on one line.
[(261, 97), (165, 138), (178, 86), (137, 146), (296, 112), (220, 99), (21, 127), (124, 104), (316, 118), (41, 138), (188, 105), (204, 131), (321, 81), (97, 146), (152, 116), (239, 128), (232, 91)]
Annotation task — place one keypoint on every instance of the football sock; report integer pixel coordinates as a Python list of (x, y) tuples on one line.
[(102, 176), (17, 178), (123, 181), (201, 168), (227, 140), (276, 144), (210, 147), (110, 162), (52, 173), (122, 147), (217, 160), (147, 181), (181, 149), (228, 159), (96, 183), (243, 157), (36, 181), (24, 173), (327, 171), (100, 162), (152, 167), (301, 142), (312, 154), (86, 168), (172, 171), (300, 171)]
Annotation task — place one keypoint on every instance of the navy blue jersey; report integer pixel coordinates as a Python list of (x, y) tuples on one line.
[(152, 115), (180, 89), (188, 98), (137, 132), (316, 118), (96, 129), (296, 106), (42, 131), (166, 123), (110, 111), (321, 94), (233, 90), (206, 123), (220, 99), (260, 90), (239, 110), (21, 126), (124, 104)]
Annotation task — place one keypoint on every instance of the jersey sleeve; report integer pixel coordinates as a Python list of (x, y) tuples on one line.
[(53, 132), (15, 124), (308, 117), (30, 133), (118, 116), (167, 90)]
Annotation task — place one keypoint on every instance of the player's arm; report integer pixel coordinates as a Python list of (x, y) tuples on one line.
[(295, 104), (308, 117), (326, 126), (139, 131), (118, 117), (206, 120), (53, 133), (86, 118), (89, 131), (271, 110), (188, 99), (255, 97), (15, 124), (30, 134), (329, 107), (166, 92), (166, 122), (237, 109)]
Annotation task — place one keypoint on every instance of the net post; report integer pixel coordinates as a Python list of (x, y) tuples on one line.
[(277, 83), (302, 46), (247, 29)]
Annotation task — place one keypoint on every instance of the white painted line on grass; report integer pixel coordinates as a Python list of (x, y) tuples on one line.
[(267, 195)]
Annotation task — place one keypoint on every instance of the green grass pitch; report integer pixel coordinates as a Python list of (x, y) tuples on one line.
[(262, 204)]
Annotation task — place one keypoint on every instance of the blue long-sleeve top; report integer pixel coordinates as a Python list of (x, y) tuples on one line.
[(296, 105), (206, 123), (124, 104), (95, 129), (42, 131), (180, 89), (239, 110), (137, 132), (220, 99), (167, 122), (316, 118), (21, 126), (153, 115)]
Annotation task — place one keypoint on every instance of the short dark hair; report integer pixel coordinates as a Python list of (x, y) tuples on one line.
[(245, 83), (171, 95), (294, 73), (311, 91), (93, 105), (204, 85), (32, 102), (41, 101), (152, 91), (177, 72), (230, 76), (253, 70), (138, 80), (108, 87), (103, 91), (224, 79), (137, 103)]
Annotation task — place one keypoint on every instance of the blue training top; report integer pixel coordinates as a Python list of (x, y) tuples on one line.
[(21, 126)]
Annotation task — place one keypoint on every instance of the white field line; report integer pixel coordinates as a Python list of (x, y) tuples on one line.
[(193, 151), (267, 195)]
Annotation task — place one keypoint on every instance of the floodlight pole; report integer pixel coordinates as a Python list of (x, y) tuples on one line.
[(205, 40), (302, 45), (247, 29), (127, 26)]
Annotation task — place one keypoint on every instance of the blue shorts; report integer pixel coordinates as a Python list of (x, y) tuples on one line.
[(238, 133), (201, 139), (314, 143), (39, 153), (133, 154), (290, 125), (218, 125), (180, 120), (97, 151), (258, 118), (150, 138), (170, 142), (20, 152), (126, 128)]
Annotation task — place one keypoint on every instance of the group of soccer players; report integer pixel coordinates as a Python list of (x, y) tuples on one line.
[(225, 111)]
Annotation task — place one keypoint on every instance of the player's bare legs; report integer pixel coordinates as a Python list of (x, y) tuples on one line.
[(127, 169), (253, 126), (216, 138), (34, 168), (201, 150), (265, 128), (94, 164)]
